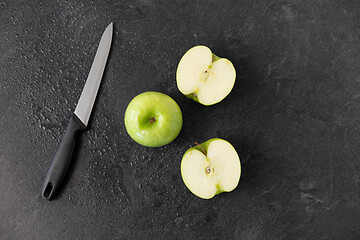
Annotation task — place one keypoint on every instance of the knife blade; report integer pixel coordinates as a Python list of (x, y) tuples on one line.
[(79, 119)]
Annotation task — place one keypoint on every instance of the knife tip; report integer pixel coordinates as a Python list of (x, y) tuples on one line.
[(108, 30)]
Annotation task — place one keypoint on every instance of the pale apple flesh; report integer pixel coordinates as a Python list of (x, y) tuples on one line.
[(209, 173), (204, 77)]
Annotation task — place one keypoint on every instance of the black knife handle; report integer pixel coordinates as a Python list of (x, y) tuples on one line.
[(60, 163)]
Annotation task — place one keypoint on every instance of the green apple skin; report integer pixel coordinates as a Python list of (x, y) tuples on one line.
[(193, 97), (153, 119), (205, 145), (215, 58)]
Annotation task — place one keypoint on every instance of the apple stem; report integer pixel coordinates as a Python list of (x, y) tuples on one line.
[(152, 120), (203, 149)]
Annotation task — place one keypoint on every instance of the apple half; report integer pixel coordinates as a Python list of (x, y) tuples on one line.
[(211, 168), (205, 77)]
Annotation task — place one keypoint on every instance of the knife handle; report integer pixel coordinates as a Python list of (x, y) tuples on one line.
[(60, 163)]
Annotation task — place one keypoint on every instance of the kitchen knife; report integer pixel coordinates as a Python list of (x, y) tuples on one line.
[(79, 119)]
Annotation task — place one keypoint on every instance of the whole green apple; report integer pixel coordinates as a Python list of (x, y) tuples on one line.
[(153, 119), (211, 168)]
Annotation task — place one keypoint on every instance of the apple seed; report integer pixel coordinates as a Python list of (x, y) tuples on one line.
[(206, 75), (207, 170)]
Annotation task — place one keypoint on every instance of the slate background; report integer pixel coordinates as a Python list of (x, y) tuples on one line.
[(293, 116)]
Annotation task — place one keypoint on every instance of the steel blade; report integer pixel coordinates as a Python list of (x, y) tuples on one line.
[(88, 95)]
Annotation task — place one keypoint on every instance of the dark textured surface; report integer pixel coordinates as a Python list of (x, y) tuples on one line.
[(293, 116)]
